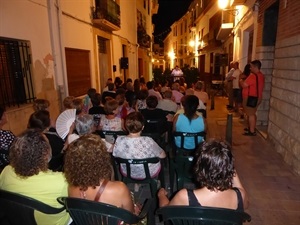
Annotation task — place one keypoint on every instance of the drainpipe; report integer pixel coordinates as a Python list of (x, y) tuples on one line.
[(58, 51)]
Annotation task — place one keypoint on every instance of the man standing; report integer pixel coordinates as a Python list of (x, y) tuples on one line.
[(252, 86), (176, 73), (228, 78), (237, 97)]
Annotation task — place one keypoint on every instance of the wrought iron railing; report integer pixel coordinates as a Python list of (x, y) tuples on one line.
[(16, 84), (108, 10)]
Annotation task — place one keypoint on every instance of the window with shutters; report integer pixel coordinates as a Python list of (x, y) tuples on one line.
[(16, 84)]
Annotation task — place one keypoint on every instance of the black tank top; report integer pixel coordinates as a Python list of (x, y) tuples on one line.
[(193, 201)]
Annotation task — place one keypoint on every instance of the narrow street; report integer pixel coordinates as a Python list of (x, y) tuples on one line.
[(273, 188)]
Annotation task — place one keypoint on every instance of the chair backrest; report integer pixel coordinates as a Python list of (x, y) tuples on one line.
[(148, 179), (113, 134), (184, 135), (155, 126), (18, 209), (182, 215), (86, 212), (145, 162), (181, 159)]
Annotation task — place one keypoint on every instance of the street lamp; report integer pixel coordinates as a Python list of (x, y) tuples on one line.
[(225, 5)]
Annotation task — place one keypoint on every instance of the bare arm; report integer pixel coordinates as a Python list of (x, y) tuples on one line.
[(179, 199), (127, 202)]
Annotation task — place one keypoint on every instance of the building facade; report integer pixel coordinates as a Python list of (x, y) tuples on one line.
[(267, 30), (66, 47)]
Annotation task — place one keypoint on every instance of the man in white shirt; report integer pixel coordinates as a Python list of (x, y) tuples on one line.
[(176, 73), (237, 95), (228, 79)]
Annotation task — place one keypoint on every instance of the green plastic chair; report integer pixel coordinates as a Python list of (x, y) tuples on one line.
[(181, 160), (86, 212), (148, 179), (187, 215), (18, 209)]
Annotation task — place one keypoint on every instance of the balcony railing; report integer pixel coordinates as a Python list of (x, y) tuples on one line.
[(107, 15)]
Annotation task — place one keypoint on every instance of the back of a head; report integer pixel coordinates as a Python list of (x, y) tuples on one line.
[(149, 85), (143, 94), (175, 86), (83, 157), (214, 167), (129, 86), (40, 104), (199, 86), (256, 63), (168, 94), (111, 86), (134, 122), (39, 120), (247, 70), (110, 106), (151, 101), (68, 102), (96, 99), (190, 106), (91, 92), (30, 153), (85, 124)]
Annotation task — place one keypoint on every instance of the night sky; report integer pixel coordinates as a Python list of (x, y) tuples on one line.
[(169, 11)]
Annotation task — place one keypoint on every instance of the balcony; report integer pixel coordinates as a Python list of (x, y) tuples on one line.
[(155, 6), (106, 15), (227, 25), (144, 40)]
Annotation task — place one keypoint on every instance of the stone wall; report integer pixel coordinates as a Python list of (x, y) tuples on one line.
[(266, 55), (284, 116)]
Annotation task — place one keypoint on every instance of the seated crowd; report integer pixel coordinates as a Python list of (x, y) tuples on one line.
[(40, 164)]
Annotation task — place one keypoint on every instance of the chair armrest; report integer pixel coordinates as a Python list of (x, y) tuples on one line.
[(146, 208)]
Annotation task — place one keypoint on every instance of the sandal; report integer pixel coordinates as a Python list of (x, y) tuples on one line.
[(246, 129), (248, 133)]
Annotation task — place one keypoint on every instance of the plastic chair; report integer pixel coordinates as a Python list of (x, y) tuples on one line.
[(148, 179), (156, 129), (18, 209), (113, 134), (86, 212), (181, 159), (183, 215)]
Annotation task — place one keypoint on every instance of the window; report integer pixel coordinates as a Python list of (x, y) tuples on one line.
[(16, 85)]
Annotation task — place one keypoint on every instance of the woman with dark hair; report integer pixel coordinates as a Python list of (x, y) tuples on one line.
[(6, 139), (41, 120), (88, 170), (220, 185), (28, 175), (189, 122)]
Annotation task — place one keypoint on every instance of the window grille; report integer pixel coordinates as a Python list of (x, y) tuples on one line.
[(16, 85)]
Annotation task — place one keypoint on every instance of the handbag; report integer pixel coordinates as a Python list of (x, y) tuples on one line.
[(253, 100)]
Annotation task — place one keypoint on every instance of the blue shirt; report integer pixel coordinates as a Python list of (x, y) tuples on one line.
[(183, 124)]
